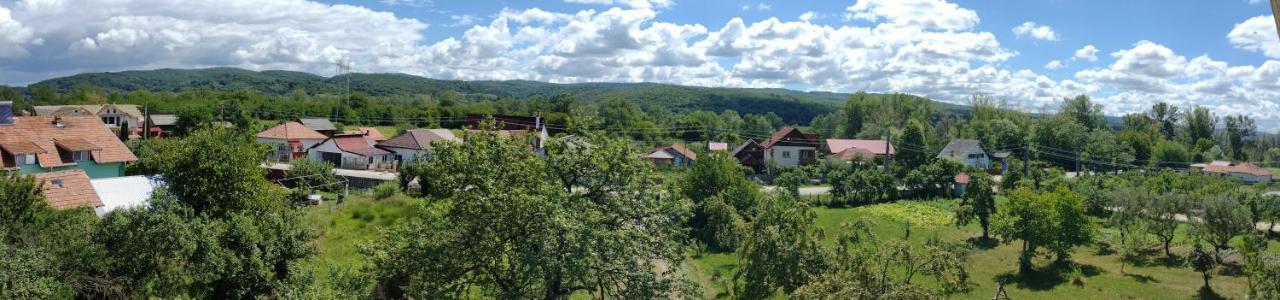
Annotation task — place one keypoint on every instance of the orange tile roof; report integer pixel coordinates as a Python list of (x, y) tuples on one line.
[(68, 189), (41, 132), (291, 131), (76, 144), (1244, 168), (373, 133)]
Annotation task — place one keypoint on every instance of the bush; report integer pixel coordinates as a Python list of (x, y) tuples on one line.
[(385, 190)]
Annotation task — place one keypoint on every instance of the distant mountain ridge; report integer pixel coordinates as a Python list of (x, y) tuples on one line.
[(793, 106)]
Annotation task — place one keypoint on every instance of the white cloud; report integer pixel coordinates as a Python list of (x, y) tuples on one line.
[(414, 3), (809, 16), (1088, 52), (16, 35), (1054, 65), (1257, 34), (642, 4), (462, 20), (1041, 32), (926, 14), (761, 6)]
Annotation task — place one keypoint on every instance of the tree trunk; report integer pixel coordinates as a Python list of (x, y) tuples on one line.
[(1166, 249)]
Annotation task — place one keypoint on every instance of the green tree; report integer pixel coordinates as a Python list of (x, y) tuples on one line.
[(191, 120), (1202, 262), (1059, 139), (20, 201), (1239, 129), (1083, 111), (780, 250), (790, 181), (1200, 124), (496, 226), (217, 171), (1222, 219), (855, 113), (1166, 117), (979, 203), (865, 266), (1104, 153), (1161, 218), (1054, 220), (717, 175), (1140, 142), (911, 153), (1168, 154), (307, 173)]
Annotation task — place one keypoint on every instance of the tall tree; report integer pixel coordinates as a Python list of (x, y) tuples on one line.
[(911, 152), (497, 227), (1166, 118), (855, 113), (1083, 111), (1055, 220), (979, 203), (781, 249), (1200, 125), (217, 171), (1239, 128)]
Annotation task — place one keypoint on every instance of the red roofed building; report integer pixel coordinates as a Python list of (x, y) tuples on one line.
[(291, 140), (33, 145), (876, 148), (1247, 172), (68, 189), (790, 147), (675, 155), (354, 152)]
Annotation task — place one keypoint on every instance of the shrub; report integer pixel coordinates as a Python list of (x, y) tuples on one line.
[(385, 190)]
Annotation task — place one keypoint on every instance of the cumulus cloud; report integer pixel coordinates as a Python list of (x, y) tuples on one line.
[(1054, 65), (1088, 52), (15, 36), (1036, 31), (810, 16), (1257, 34), (761, 6), (643, 4), (928, 14)]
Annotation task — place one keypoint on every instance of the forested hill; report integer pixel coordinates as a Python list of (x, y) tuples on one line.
[(794, 106)]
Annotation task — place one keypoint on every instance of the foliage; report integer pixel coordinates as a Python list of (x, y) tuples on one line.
[(307, 173), (855, 186), (1104, 153), (979, 203), (918, 214), (867, 267), (217, 171), (20, 201), (1222, 219), (790, 181), (933, 179), (495, 225), (1202, 262), (1200, 124), (192, 120), (1059, 139), (385, 190), (780, 250), (1053, 220), (911, 152), (1161, 218), (1168, 154), (718, 176), (1083, 111), (1239, 128)]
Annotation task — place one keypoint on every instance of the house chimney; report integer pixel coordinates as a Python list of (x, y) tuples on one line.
[(6, 113)]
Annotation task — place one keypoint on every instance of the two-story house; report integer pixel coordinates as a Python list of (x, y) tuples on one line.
[(789, 147), (969, 152), (113, 115), (41, 144)]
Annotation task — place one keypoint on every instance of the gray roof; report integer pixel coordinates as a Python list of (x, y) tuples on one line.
[(164, 120), (318, 124), (960, 148)]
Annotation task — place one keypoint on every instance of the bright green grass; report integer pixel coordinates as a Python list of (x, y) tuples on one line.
[(1103, 279), (342, 227)]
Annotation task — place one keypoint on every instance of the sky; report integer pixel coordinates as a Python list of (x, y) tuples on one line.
[(1127, 55)]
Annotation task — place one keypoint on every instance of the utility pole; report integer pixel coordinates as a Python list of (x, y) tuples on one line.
[(1026, 161), (888, 158), (146, 118), (1275, 13)]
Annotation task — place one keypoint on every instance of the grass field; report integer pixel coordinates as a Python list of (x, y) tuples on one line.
[(342, 227), (1157, 278)]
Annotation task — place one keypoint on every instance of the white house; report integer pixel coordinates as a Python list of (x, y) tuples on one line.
[(414, 143), (790, 147), (969, 152), (353, 152), (290, 140)]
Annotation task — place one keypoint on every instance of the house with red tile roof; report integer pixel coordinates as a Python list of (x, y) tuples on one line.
[(68, 189), (1247, 172), (414, 143), (867, 149), (42, 144), (674, 155), (790, 147), (290, 140), (353, 152)]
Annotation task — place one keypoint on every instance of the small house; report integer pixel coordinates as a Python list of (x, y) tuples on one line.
[(161, 124), (414, 143), (673, 155), (113, 115), (124, 192), (790, 147), (969, 152), (961, 180), (41, 144), (68, 189), (321, 125), (353, 152), (865, 149), (291, 140), (749, 154), (1247, 172)]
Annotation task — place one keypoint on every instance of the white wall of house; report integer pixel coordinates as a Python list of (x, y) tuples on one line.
[(349, 160), (977, 160), (405, 155), (786, 155)]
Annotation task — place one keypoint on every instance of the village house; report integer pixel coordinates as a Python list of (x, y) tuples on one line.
[(749, 154), (290, 140), (715, 146), (789, 147), (321, 125), (161, 125), (414, 143), (969, 152), (864, 149), (68, 189), (1247, 172), (371, 133), (113, 115), (42, 144), (353, 152), (672, 155)]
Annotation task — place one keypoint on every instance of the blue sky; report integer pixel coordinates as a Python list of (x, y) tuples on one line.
[(1127, 54)]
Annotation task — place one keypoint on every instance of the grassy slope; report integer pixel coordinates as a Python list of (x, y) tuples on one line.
[(342, 227), (1152, 280)]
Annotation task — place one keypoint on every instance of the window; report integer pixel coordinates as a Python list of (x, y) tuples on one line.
[(80, 155), (975, 156), (25, 159), (786, 154), (56, 182)]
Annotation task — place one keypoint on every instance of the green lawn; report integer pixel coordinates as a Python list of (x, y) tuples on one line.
[(342, 227), (1154, 279)]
